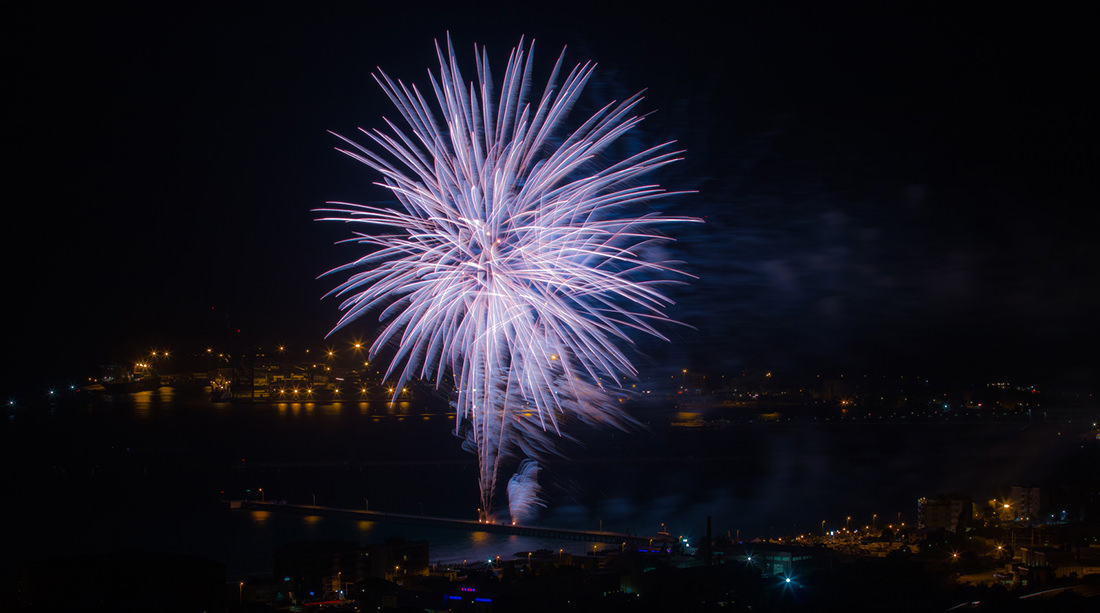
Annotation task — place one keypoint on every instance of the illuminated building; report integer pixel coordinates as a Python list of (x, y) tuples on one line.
[(1025, 503), (951, 513)]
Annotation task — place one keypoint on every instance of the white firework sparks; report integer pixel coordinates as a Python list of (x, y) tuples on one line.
[(514, 262), (523, 491)]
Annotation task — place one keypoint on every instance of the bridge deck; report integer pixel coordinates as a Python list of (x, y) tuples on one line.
[(458, 524)]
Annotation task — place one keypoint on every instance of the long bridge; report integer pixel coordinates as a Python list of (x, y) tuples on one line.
[(617, 538)]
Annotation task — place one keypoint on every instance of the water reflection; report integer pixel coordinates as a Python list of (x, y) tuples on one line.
[(479, 537), (260, 518), (377, 410), (748, 478), (146, 402), (143, 403)]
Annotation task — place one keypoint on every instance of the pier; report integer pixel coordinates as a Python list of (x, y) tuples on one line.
[(617, 538)]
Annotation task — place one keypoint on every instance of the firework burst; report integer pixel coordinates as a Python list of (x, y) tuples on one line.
[(515, 261)]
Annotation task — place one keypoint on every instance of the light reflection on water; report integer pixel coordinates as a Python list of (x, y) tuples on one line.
[(260, 518), (377, 410), (143, 403), (479, 536), (146, 402)]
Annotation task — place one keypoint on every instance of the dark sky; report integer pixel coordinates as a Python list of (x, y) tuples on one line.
[(886, 188)]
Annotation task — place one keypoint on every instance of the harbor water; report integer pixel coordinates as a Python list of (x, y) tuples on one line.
[(152, 470)]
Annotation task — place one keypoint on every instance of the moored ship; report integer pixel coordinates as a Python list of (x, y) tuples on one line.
[(131, 384)]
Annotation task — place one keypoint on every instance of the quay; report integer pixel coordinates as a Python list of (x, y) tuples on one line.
[(617, 538)]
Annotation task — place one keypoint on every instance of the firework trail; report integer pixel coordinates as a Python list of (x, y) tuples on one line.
[(513, 262)]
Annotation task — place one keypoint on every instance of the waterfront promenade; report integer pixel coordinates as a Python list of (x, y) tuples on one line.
[(617, 538)]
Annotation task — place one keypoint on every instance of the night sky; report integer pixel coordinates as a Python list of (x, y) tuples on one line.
[(895, 189)]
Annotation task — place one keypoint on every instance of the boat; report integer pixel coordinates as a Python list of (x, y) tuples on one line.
[(131, 384)]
